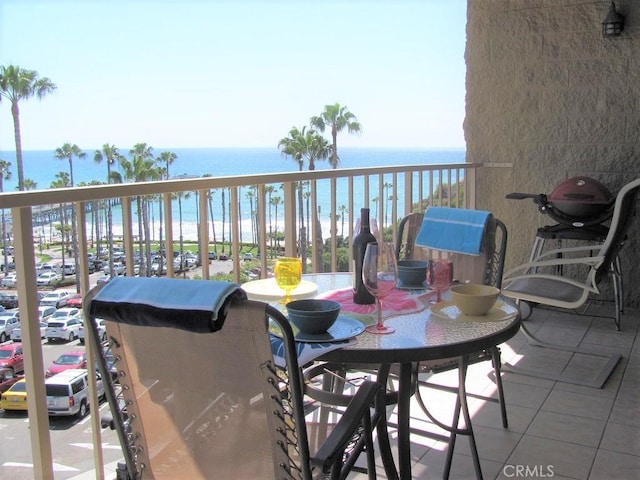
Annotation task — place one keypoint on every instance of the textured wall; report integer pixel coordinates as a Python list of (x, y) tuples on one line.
[(551, 98)]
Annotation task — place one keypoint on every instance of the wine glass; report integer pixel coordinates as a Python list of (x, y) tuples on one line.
[(379, 275), (439, 276), (288, 273)]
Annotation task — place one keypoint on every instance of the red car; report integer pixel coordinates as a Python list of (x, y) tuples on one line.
[(75, 301), (66, 361), (11, 357), (8, 378)]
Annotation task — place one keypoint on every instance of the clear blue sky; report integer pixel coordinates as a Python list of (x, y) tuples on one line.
[(198, 73)]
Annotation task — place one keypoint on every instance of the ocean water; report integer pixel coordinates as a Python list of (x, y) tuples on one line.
[(41, 166)]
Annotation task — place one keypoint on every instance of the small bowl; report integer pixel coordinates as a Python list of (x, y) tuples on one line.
[(412, 273), (474, 299), (313, 316)]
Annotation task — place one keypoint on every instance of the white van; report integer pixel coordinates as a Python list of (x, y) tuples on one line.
[(68, 393)]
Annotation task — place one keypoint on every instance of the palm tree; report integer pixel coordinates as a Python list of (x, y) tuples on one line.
[(62, 181), (343, 211), (142, 168), (19, 84), (5, 174), (68, 151), (111, 156), (166, 158), (338, 118), (303, 144), (30, 184)]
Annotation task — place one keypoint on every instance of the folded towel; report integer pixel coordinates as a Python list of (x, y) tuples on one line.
[(455, 230), (192, 305)]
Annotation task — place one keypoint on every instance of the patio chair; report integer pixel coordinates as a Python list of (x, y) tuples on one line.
[(539, 282), (199, 393), (486, 268)]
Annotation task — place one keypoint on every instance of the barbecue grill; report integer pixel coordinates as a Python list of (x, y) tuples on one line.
[(577, 202)]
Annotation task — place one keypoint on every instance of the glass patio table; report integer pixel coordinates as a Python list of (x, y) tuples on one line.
[(421, 335)]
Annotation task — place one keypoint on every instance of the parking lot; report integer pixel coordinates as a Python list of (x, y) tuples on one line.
[(71, 437)]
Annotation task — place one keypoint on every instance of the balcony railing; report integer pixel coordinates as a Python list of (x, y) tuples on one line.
[(390, 192)]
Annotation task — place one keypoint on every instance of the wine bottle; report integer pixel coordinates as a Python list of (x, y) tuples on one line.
[(360, 293)]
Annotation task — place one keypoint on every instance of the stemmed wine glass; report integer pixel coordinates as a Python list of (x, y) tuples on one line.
[(288, 273), (379, 275), (439, 276)]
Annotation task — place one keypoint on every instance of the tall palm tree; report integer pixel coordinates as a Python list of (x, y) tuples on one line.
[(301, 144), (20, 84), (111, 156), (142, 168), (68, 151), (337, 118), (62, 181), (166, 158), (5, 174)]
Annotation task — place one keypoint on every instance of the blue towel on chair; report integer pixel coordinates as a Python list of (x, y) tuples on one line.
[(456, 230), (193, 305)]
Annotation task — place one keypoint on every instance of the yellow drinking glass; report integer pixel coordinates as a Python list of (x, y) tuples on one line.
[(288, 273)]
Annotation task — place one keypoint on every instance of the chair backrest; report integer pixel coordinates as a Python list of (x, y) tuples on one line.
[(623, 213), (204, 404), (485, 268)]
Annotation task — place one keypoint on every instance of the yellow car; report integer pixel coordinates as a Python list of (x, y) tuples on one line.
[(16, 397)]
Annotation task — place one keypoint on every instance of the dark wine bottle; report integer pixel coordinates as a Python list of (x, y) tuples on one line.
[(360, 293)]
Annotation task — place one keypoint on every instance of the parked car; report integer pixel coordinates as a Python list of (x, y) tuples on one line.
[(44, 268), (64, 325), (75, 300), (10, 280), (102, 331), (47, 279), (68, 392), (16, 334), (66, 361), (15, 398), (11, 356), (8, 322), (213, 255), (45, 311), (118, 269), (69, 269), (56, 299), (103, 279), (223, 256), (8, 378), (8, 301)]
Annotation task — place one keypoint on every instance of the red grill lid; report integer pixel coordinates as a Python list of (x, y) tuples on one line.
[(581, 197)]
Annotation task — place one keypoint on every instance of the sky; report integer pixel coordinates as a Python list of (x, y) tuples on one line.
[(235, 73)]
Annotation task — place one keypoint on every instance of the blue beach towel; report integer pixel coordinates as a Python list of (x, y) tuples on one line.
[(456, 230)]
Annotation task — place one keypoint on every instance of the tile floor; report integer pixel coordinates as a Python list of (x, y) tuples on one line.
[(556, 429)]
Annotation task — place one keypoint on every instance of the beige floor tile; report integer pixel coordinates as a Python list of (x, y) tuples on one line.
[(622, 438), (570, 403), (567, 428), (615, 466), (563, 459)]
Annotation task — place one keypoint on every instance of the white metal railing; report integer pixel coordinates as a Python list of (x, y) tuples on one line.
[(391, 192)]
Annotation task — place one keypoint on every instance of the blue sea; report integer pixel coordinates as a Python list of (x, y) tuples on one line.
[(41, 166)]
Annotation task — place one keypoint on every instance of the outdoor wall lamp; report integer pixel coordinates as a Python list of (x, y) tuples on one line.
[(613, 23)]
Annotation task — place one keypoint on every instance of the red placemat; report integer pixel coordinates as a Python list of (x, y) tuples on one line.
[(398, 301)]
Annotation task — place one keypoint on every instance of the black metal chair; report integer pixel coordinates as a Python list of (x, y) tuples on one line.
[(199, 392)]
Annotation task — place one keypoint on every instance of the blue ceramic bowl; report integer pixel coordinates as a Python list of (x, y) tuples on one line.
[(412, 273), (313, 316)]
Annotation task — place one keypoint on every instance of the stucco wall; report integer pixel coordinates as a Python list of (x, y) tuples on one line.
[(551, 98)]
